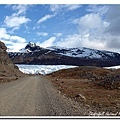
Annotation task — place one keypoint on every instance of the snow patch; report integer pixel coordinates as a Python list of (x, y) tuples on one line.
[(81, 52), (113, 67), (31, 44), (25, 50)]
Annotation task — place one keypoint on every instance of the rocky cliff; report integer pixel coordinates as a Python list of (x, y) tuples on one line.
[(8, 71)]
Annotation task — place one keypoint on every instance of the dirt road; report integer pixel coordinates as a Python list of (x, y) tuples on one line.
[(34, 96)]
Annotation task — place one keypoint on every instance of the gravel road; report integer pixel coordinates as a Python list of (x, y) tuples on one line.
[(34, 96)]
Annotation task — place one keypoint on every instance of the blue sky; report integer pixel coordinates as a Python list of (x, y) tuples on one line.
[(65, 25)]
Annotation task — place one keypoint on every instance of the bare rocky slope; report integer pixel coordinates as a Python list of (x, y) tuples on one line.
[(8, 71)]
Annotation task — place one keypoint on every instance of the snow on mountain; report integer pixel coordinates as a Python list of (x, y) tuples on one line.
[(113, 67), (42, 69), (30, 47), (55, 55), (57, 47), (23, 50), (31, 44), (81, 52), (71, 52)]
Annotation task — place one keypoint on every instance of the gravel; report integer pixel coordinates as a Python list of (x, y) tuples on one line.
[(35, 96)]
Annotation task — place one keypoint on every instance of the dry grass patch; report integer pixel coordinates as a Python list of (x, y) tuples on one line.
[(84, 89)]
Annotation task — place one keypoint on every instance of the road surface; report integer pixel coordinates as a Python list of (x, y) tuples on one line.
[(34, 96)]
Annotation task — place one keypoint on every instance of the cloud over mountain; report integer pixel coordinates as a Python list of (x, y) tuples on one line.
[(66, 25)]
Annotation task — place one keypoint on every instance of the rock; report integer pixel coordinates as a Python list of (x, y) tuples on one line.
[(56, 79), (88, 106), (81, 97), (59, 92), (6, 66)]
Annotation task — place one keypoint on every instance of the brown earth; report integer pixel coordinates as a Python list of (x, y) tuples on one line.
[(95, 87), (8, 71)]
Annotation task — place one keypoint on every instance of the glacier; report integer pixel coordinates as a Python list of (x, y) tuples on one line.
[(41, 69)]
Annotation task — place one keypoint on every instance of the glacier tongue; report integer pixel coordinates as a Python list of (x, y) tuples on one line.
[(42, 69)]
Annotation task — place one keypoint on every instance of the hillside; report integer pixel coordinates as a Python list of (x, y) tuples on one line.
[(34, 54), (93, 86), (8, 71)]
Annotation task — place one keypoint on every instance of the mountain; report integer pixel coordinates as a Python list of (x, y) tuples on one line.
[(30, 47), (8, 71), (55, 55)]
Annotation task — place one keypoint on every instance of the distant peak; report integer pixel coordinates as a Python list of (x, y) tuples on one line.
[(30, 47), (31, 44)]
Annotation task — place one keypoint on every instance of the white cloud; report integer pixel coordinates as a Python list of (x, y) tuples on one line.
[(46, 17), (113, 17), (102, 27), (42, 33), (7, 42), (72, 7), (55, 7), (58, 34), (77, 40), (17, 39), (3, 34), (89, 22), (13, 42), (15, 21), (109, 32), (95, 43), (20, 9), (70, 41), (47, 43), (91, 29), (18, 18), (67, 7), (98, 29), (15, 47), (98, 9)]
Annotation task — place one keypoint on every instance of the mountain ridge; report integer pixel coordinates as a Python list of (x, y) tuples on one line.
[(55, 55)]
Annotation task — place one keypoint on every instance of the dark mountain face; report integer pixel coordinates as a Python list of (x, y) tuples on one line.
[(32, 47), (33, 54)]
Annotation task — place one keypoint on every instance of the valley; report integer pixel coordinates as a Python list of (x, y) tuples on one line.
[(41, 90), (59, 60)]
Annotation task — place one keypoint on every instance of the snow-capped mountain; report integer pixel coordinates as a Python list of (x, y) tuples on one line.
[(55, 55), (30, 47), (82, 52)]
